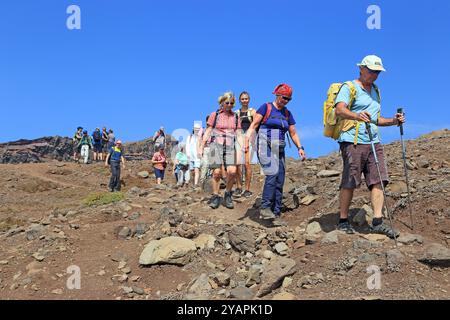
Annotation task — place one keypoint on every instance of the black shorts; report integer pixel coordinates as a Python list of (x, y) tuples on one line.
[(98, 148)]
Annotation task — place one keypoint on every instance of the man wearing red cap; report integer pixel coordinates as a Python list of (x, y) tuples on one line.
[(274, 121)]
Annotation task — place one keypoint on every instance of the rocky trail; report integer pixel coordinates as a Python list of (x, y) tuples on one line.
[(158, 242)]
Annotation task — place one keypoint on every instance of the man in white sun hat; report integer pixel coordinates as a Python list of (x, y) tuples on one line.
[(359, 101)]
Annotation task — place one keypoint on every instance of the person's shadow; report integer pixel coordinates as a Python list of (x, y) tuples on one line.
[(253, 214), (329, 221)]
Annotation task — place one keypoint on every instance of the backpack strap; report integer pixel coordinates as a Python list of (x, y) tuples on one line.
[(286, 113), (215, 119), (268, 111), (353, 93)]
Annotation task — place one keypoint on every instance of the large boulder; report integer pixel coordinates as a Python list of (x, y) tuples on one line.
[(436, 255), (328, 173), (170, 250), (242, 239), (274, 273)]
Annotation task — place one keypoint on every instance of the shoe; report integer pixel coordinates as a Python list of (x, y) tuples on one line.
[(266, 214), (237, 193), (247, 194), (215, 201), (385, 229), (228, 201), (346, 227), (111, 189)]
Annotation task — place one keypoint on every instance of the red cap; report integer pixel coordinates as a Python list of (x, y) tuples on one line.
[(283, 90)]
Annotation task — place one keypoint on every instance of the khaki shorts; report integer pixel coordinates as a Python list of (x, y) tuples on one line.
[(359, 159), (221, 155)]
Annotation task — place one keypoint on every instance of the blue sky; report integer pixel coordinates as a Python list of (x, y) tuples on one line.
[(136, 65)]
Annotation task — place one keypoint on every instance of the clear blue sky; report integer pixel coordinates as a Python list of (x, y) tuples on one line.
[(136, 65)]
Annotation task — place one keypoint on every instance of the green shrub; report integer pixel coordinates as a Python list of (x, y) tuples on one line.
[(102, 198)]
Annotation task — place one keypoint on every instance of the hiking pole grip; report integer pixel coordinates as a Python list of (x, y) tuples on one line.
[(369, 131), (400, 110)]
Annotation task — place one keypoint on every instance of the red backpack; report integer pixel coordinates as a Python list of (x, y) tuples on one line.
[(268, 111)]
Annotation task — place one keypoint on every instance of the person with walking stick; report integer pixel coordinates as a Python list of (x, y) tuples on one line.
[(361, 149)]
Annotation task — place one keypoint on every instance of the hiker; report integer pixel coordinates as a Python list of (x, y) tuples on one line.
[(181, 167), (246, 115), (363, 106), (192, 145), (159, 138), (204, 168), (85, 144), (97, 137), (159, 161), (225, 127), (274, 120), (111, 140), (114, 158), (105, 140), (76, 143)]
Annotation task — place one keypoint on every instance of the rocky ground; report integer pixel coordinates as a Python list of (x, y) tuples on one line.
[(152, 242)]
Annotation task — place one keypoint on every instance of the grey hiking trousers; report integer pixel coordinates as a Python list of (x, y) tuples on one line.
[(114, 182)]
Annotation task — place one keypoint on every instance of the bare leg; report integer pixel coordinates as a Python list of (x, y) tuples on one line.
[(248, 171), (216, 180), (239, 177), (196, 176), (346, 196), (231, 176), (377, 200)]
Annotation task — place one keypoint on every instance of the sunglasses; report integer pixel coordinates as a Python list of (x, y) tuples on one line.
[(373, 71), (286, 98), (229, 103)]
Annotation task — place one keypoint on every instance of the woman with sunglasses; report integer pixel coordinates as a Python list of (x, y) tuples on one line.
[(224, 125), (274, 120)]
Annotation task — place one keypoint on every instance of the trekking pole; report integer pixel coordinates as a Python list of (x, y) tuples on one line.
[(381, 179), (400, 110)]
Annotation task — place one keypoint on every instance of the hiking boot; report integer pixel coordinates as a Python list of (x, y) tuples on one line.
[(385, 229), (247, 194), (266, 214), (228, 201), (215, 201), (346, 227), (237, 193)]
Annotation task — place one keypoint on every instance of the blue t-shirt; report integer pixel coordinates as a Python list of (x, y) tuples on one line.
[(277, 121), (363, 102), (116, 153), (99, 136)]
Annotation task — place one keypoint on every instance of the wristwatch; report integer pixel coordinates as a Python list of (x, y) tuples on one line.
[(301, 148)]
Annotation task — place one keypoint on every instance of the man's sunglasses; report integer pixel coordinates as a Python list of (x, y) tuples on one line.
[(286, 98), (373, 71)]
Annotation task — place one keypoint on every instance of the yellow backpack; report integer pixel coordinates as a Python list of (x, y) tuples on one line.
[(333, 125)]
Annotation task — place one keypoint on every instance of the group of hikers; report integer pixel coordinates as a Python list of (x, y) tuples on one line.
[(100, 143), (224, 149)]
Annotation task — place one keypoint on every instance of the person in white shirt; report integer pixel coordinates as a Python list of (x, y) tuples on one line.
[(192, 145)]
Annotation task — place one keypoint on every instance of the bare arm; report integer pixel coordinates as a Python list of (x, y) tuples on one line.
[(206, 136), (398, 119), (107, 159), (296, 139), (343, 112)]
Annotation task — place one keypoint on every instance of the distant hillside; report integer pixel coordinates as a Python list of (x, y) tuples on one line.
[(61, 148)]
